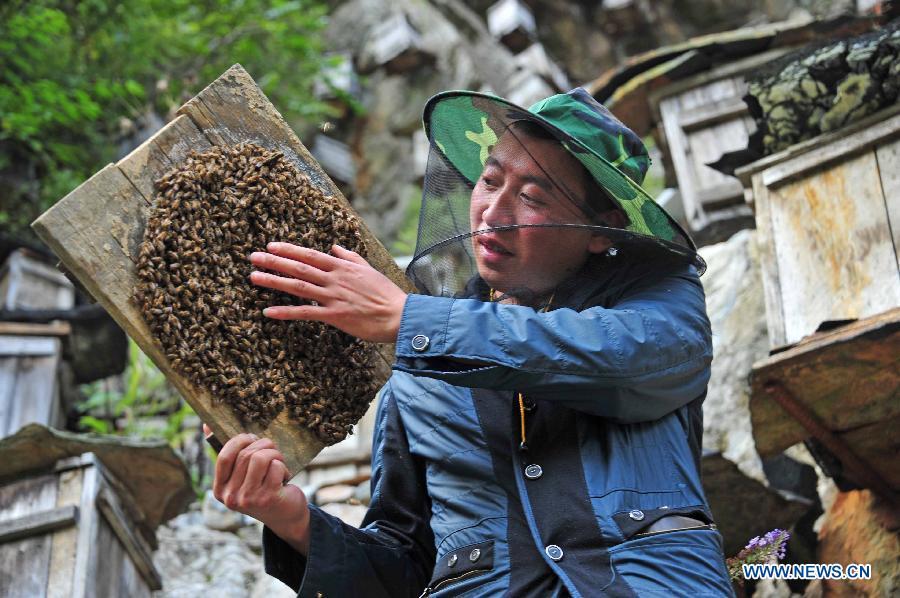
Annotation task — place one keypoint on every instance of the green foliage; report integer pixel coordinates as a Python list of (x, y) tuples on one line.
[(405, 243), (146, 393), (74, 74)]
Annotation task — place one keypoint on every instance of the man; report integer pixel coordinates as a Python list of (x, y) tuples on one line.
[(541, 433)]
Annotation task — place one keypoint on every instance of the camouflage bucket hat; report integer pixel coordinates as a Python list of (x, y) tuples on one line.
[(464, 126)]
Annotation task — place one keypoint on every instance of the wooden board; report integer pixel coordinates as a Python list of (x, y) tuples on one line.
[(848, 377), (701, 123), (28, 388), (888, 157), (97, 229), (833, 246)]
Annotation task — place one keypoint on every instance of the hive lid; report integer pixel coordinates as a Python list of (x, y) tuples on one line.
[(149, 470)]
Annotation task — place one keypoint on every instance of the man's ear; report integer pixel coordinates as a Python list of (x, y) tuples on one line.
[(612, 219)]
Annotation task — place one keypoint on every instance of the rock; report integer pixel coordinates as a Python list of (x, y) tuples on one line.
[(219, 517), (735, 303), (194, 560), (349, 514), (744, 507), (336, 493), (859, 529), (269, 587), (251, 536), (363, 493)]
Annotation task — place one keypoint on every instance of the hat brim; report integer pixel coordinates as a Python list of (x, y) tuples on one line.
[(464, 125)]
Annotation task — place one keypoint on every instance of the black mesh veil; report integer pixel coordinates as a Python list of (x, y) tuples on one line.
[(532, 228)]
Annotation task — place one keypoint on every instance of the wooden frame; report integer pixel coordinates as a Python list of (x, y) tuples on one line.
[(97, 229), (849, 380), (76, 537), (703, 117), (828, 222)]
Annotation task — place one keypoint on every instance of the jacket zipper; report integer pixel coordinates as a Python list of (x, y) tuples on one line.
[(711, 526), (427, 591)]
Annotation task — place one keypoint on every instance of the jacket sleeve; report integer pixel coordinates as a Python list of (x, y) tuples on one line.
[(392, 554), (649, 354)]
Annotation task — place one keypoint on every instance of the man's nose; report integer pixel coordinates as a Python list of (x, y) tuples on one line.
[(500, 208)]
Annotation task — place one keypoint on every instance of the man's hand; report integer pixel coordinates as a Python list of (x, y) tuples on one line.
[(250, 478), (348, 292)]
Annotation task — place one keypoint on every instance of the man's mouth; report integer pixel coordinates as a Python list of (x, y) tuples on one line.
[(493, 246)]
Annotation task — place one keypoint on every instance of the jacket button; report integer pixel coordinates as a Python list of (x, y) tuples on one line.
[(451, 562), (636, 514), (533, 471), (420, 342), (554, 552), (475, 554)]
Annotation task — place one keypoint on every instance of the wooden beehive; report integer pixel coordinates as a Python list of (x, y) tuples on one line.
[(97, 229), (30, 357), (828, 216), (512, 23), (702, 118), (82, 524)]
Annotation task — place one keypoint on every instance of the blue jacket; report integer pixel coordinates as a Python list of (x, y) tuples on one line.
[(613, 386)]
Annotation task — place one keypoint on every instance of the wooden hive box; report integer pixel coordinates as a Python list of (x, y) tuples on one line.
[(97, 230), (78, 515), (701, 118), (828, 230), (828, 221)]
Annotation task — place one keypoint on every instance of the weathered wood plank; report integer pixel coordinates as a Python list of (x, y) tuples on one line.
[(706, 116), (133, 545), (23, 567), (679, 152), (834, 246), (57, 328), (848, 377), (38, 523), (160, 153), (850, 131), (26, 496), (878, 444), (768, 264), (888, 156), (826, 153), (62, 551), (151, 473), (97, 230), (33, 396), (87, 559), (27, 346)]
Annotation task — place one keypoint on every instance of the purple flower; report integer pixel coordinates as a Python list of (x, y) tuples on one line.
[(769, 547)]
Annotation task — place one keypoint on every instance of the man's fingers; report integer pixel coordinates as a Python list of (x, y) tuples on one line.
[(320, 260), (297, 312), (225, 461), (288, 267), (346, 254), (292, 286), (276, 476), (240, 467), (258, 466)]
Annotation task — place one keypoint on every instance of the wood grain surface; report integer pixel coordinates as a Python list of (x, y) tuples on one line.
[(97, 229)]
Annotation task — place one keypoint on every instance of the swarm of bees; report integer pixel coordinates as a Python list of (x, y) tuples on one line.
[(209, 214)]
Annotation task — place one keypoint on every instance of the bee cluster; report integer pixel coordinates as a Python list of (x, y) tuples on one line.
[(209, 214)]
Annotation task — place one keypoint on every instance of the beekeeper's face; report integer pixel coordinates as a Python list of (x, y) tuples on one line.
[(530, 181)]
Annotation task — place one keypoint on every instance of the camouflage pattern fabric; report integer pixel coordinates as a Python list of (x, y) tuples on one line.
[(466, 125)]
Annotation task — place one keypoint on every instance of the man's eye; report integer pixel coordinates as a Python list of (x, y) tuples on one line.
[(488, 182), (531, 200)]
